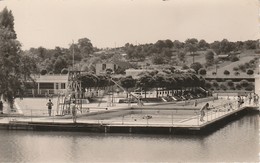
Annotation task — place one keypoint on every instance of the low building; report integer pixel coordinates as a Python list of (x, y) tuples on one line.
[(48, 85), (102, 67)]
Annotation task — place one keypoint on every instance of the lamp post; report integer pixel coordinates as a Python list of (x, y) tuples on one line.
[(216, 68)]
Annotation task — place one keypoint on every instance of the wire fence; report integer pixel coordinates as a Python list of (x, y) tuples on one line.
[(142, 117)]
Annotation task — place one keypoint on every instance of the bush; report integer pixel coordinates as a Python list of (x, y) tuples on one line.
[(64, 71), (249, 88), (238, 86), (202, 71), (214, 83), (230, 83), (223, 86), (237, 73), (232, 88), (252, 61), (44, 72), (242, 68), (226, 72), (234, 59), (250, 72), (235, 68), (207, 85), (244, 83), (257, 51), (247, 65), (185, 67)]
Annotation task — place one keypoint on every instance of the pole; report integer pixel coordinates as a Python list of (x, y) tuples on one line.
[(72, 55), (172, 117)]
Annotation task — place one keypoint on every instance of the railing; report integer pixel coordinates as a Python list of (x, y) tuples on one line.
[(223, 110), (142, 117)]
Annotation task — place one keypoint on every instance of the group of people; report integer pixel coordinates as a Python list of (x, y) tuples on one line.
[(73, 109), (255, 99), (240, 101)]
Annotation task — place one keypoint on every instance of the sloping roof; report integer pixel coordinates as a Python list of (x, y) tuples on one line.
[(222, 55), (51, 78)]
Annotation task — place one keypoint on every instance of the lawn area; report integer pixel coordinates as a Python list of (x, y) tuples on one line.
[(244, 57)]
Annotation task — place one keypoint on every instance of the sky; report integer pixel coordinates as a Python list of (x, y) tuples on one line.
[(113, 23)]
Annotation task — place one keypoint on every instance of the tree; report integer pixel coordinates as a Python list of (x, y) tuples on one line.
[(196, 66), (7, 21), (226, 46), (215, 46), (177, 44), (169, 43), (250, 44), (75, 52), (223, 86), (85, 47), (145, 82), (244, 83), (181, 56), (250, 87), (191, 45), (160, 44), (208, 85), (60, 64), (230, 83), (238, 86), (215, 83), (209, 57), (202, 71), (88, 81), (203, 45), (158, 60), (15, 69), (128, 82)]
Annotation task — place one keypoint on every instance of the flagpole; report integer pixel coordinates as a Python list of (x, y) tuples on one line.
[(72, 55)]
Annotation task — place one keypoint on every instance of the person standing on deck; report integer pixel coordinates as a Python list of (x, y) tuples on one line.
[(74, 112), (1, 107), (49, 104), (195, 103), (250, 98), (202, 111), (239, 101)]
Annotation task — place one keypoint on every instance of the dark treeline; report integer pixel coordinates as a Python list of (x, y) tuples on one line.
[(163, 80), (162, 52)]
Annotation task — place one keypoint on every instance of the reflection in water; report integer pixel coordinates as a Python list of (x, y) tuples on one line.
[(237, 141)]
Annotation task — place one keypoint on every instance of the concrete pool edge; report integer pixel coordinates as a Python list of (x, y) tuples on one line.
[(204, 128)]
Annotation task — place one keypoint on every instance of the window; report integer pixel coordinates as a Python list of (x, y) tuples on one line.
[(46, 85), (57, 86), (63, 86), (104, 66)]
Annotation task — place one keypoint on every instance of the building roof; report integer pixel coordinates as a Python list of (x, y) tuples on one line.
[(51, 78)]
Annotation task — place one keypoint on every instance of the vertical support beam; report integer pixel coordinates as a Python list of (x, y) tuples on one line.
[(38, 88)]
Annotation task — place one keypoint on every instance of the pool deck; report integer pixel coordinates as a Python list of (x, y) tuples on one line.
[(220, 115)]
